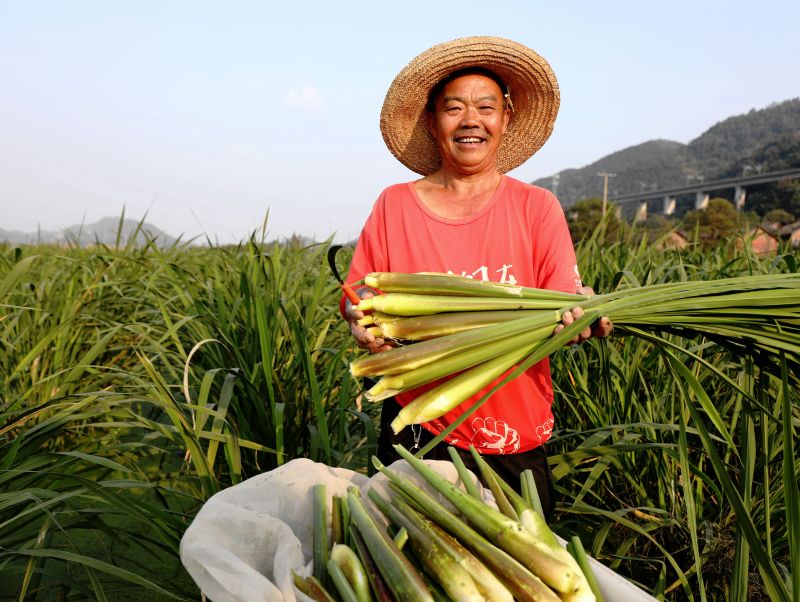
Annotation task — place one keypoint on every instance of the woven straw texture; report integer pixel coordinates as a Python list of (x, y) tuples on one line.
[(531, 82)]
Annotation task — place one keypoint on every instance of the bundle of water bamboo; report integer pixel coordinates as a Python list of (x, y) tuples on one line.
[(480, 330), (414, 548)]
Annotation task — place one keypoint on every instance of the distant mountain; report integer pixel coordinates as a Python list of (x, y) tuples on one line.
[(105, 231), (769, 138)]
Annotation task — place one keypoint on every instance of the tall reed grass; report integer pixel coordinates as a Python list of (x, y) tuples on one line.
[(137, 382), (677, 458)]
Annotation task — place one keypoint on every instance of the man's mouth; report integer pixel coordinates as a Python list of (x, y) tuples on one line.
[(469, 139)]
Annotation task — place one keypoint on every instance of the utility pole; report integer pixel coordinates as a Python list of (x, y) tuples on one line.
[(605, 175)]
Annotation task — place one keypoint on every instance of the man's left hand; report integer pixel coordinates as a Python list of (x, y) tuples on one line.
[(600, 328)]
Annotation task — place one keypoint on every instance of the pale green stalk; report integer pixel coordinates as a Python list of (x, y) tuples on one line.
[(402, 359), (488, 584), (312, 588), (395, 568), (575, 548), (491, 478), (525, 586), (402, 304), (432, 553), (448, 284), (389, 386), (454, 392), (343, 587), (319, 513), (400, 538), (420, 328), (544, 349), (347, 560), (508, 534), (514, 507), (467, 478)]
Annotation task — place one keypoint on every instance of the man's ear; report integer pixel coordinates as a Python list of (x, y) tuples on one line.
[(506, 118), (430, 124)]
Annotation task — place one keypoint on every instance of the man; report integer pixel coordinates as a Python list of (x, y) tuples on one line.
[(462, 114)]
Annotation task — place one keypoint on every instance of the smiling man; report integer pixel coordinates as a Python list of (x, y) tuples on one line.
[(462, 114)]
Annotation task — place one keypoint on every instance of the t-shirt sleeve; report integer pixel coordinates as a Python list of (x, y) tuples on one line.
[(558, 269), (370, 254)]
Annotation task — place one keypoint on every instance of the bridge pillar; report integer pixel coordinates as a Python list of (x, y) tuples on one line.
[(669, 205), (701, 200), (739, 195), (641, 212)]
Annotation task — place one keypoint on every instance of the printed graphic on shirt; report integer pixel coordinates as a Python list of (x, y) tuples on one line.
[(543, 430), (482, 273), (491, 433)]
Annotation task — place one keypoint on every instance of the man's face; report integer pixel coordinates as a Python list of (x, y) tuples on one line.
[(468, 122)]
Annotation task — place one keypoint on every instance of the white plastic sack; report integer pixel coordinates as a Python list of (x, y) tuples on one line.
[(247, 540)]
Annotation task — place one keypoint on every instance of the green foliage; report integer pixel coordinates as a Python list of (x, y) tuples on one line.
[(136, 383), (717, 222), (778, 216), (783, 195), (585, 217), (745, 136), (637, 433)]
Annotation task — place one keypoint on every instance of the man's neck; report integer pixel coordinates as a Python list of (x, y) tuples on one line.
[(457, 196)]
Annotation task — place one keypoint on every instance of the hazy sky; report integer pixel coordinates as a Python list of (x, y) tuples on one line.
[(208, 115)]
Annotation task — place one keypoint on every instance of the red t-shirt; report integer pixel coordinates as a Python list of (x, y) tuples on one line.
[(519, 237)]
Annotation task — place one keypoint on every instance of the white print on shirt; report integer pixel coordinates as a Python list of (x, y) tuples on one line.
[(490, 433), (505, 276), (543, 430)]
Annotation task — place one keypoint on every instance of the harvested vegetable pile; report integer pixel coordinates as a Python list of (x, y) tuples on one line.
[(415, 549), (482, 330)]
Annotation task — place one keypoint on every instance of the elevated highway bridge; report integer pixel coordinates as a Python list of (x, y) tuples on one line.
[(701, 192)]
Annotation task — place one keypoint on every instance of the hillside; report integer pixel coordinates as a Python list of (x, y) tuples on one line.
[(768, 137), (105, 231)]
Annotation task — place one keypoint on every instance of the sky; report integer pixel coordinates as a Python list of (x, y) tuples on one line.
[(211, 118)]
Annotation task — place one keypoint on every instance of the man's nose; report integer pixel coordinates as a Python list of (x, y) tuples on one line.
[(470, 117)]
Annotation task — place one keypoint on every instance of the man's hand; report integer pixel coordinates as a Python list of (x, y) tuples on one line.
[(600, 328), (364, 339)]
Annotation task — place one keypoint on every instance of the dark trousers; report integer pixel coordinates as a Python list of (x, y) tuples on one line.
[(507, 466)]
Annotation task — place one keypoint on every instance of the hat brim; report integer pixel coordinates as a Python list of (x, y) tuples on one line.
[(532, 85)]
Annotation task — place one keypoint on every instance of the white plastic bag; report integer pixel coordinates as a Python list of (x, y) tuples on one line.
[(247, 540)]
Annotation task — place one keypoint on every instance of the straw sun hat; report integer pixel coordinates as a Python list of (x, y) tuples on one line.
[(531, 84)]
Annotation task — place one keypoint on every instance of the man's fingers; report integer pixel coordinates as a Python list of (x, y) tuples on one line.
[(602, 327), (361, 335), (368, 341)]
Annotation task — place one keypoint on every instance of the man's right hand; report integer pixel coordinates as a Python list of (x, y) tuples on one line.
[(364, 339)]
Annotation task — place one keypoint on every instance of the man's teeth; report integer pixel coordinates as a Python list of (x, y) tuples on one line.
[(468, 140)]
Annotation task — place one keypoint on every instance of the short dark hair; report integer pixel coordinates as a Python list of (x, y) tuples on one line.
[(436, 91)]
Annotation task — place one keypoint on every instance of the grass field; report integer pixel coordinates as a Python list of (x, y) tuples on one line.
[(137, 382)]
